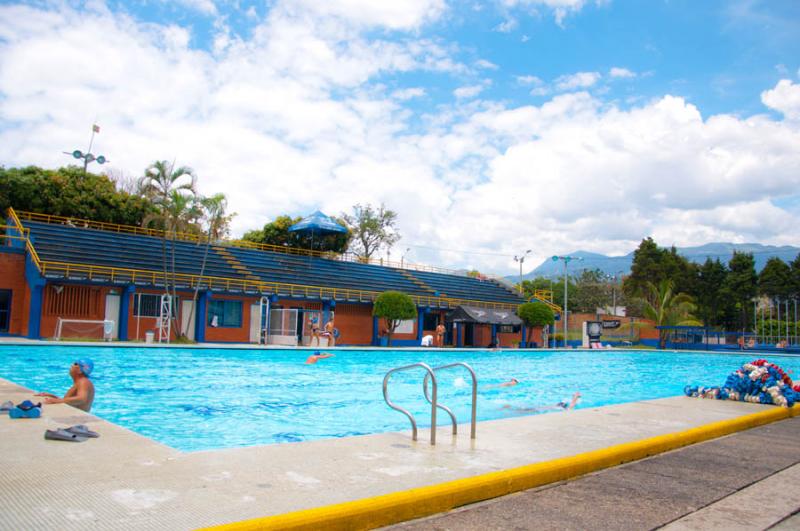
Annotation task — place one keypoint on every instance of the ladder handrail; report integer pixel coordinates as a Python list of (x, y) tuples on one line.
[(405, 411), (474, 395)]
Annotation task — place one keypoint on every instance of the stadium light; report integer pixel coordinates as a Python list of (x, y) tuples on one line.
[(88, 156), (521, 260), (403, 256), (566, 260)]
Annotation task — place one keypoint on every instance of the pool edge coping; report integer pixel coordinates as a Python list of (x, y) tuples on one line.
[(410, 504)]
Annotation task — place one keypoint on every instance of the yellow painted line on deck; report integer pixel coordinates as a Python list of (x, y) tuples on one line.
[(387, 509)]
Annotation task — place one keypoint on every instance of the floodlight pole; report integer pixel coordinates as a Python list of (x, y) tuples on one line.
[(521, 260), (565, 312), (88, 156)]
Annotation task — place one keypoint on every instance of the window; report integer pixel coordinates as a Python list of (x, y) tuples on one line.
[(225, 313), (508, 329), (149, 305)]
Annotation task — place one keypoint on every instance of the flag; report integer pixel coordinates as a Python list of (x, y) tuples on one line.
[(95, 128)]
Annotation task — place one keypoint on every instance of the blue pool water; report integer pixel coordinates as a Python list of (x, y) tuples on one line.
[(202, 399)]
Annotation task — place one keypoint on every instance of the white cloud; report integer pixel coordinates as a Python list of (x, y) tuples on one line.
[(561, 8), (408, 93), (507, 26), (299, 116), (468, 92), (486, 65), (621, 72), (204, 6), (577, 81), (529, 80), (784, 98), (405, 14)]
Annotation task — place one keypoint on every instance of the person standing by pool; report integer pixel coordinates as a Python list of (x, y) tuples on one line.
[(313, 323), (330, 332), (440, 330), (81, 394)]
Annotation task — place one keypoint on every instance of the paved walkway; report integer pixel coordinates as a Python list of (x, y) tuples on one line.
[(749, 480), (125, 481)]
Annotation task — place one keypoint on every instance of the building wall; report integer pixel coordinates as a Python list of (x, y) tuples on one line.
[(12, 277), (354, 322), (70, 301)]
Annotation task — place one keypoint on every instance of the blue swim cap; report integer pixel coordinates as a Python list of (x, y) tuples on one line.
[(86, 365)]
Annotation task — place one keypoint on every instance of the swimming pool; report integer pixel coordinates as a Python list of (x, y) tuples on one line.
[(203, 399)]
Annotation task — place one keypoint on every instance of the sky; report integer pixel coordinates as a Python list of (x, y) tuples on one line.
[(491, 128)]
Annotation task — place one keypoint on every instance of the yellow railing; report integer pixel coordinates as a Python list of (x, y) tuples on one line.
[(119, 274), (133, 275), (25, 233), (546, 296), (187, 236)]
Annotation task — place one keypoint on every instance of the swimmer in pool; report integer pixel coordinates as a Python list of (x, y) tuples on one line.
[(81, 394), (511, 383), (316, 356), (561, 406)]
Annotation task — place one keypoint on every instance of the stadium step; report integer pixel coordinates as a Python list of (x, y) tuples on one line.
[(419, 283), (234, 262)]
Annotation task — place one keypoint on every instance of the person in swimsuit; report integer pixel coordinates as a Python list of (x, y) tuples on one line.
[(329, 331), (440, 330), (81, 394), (313, 323), (316, 356), (561, 406)]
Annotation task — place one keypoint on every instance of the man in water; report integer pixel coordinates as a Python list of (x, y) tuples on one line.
[(511, 383), (316, 356), (81, 394), (561, 406)]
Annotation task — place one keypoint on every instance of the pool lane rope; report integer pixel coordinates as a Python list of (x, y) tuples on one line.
[(758, 382)]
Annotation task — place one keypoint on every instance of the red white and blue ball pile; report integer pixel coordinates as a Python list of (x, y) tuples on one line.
[(759, 382)]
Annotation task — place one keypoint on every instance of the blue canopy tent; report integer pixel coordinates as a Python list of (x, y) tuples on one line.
[(317, 224)]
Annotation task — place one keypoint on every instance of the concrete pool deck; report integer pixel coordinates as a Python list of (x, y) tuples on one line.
[(125, 481)]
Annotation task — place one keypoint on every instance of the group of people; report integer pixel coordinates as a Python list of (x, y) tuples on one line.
[(328, 331), (438, 341)]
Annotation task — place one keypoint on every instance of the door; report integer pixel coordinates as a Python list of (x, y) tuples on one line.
[(112, 312), (187, 307), (469, 334), (5, 310), (255, 322)]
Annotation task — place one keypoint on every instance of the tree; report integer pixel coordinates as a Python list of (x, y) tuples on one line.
[(775, 280), (712, 299), (217, 225), (172, 191), (666, 308), (394, 307), (590, 292), (794, 266), (276, 232), (535, 314), (372, 229), (68, 192), (652, 264), (741, 285)]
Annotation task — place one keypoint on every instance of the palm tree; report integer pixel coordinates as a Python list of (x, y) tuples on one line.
[(667, 308), (163, 184), (213, 213)]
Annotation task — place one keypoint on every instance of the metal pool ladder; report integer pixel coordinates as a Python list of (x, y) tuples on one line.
[(447, 409), (432, 399)]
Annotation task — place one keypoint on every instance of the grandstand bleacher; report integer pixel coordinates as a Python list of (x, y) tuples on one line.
[(61, 243)]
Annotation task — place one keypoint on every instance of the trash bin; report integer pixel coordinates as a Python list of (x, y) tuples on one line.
[(148, 336)]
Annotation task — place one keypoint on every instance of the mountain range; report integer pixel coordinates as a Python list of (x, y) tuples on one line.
[(614, 265)]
